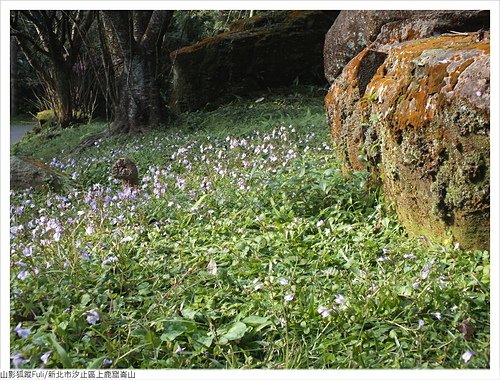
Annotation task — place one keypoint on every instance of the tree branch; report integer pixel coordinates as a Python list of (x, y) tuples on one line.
[(155, 28), (22, 36), (141, 20)]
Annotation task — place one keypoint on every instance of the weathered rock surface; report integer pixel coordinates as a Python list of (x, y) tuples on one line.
[(125, 170), (259, 54), (27, 173), (418, 119), (352, 31)]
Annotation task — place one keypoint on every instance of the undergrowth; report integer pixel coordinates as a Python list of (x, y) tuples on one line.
[(244, 247)]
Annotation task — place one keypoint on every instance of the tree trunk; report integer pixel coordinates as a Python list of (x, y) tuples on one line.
[(62, 86), (14, 105), (139, 107), (52, 43), (133, 41)]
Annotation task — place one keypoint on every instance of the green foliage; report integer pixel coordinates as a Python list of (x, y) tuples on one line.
[(245, 247), (52, 141), (191, 26)]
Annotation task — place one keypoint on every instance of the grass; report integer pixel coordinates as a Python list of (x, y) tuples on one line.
[(245, 247)]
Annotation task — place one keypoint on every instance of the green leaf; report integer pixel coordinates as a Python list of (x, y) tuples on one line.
[(302, 171), (255, 320), (236, 331), (175, 328), (61, 352), (188, 313), (323, 186), (63, 325), (85, 299), (96, 363), (201, 340), (139, 332), (199, 202)]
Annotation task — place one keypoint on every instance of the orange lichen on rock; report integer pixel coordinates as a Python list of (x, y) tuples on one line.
[(425, 113)]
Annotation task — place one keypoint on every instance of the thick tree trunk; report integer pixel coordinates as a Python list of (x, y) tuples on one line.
[(62, 86), (139, 106), (133, 44), (14, 104)]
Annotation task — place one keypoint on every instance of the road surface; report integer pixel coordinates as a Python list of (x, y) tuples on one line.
[(18, 130)]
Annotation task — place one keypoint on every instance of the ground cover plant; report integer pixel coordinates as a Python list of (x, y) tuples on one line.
[(243, 247)]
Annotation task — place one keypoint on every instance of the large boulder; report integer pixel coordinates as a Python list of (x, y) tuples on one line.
[(260, 53), (416, 114), (28, 173), (352, 31)]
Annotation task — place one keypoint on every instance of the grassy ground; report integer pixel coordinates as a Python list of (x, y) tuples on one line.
[(244, 247)]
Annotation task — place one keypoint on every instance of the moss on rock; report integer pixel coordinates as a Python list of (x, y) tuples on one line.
[(45, 118), (431, 130)]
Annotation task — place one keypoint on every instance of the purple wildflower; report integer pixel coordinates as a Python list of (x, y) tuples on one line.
[(92, 316), (18, 360), (467, 355), (22, 333), (45, 357)]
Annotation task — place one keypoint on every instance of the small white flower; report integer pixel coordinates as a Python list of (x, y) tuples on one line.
[(416, 285), (340, 300), (179, 349), (258, 286), (425, 271), (212, 267), (92, 316), (409, 256), (454, 308), (289, 297), (324, 311), (126, 239), (320, 223), (283, 281), (456, 246), (89, 230), (110, 259), (442, 282), (382, 258), (45, 357), (437, 314), (107, 362), (467, 355), (421, 323)]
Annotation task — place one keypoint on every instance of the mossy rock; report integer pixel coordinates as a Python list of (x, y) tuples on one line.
[(45, 118), (26, 173), (258, 54), (428, 134)]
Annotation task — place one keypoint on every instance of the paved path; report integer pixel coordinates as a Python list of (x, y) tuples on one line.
[(18, 130)]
